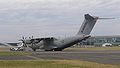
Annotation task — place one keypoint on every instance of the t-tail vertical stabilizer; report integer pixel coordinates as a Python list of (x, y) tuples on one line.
[(87, 25)]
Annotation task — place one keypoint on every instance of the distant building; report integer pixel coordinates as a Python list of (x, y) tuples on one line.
[(99, 40)]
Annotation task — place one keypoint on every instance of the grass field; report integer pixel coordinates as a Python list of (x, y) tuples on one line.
[(52, 64), (14, 53), (4, 49), (95, 48)]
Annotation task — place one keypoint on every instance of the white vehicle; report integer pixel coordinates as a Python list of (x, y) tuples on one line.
[(16, 49), (107, 45)]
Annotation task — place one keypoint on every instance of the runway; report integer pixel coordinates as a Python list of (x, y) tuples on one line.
[(99, 56), (105, 57)]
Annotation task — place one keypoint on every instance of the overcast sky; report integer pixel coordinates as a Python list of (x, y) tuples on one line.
[(59, 18)]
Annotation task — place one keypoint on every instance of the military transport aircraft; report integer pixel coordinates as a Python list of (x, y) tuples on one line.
[(53, 44)]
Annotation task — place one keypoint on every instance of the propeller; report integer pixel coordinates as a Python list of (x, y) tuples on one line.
[(30, 40), (31, 37), (23, 41)]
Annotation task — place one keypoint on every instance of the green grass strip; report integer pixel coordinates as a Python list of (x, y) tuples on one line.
[(52, 64), (14, 53)]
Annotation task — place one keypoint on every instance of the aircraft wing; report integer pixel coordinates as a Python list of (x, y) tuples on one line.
[(44, 39)]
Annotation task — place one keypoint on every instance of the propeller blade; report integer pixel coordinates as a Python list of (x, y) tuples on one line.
[(32, 37), (25, 37), (29, 37), (22, 37)]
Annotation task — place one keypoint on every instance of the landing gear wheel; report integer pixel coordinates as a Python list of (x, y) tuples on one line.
[(57, 49), (34, 49)]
